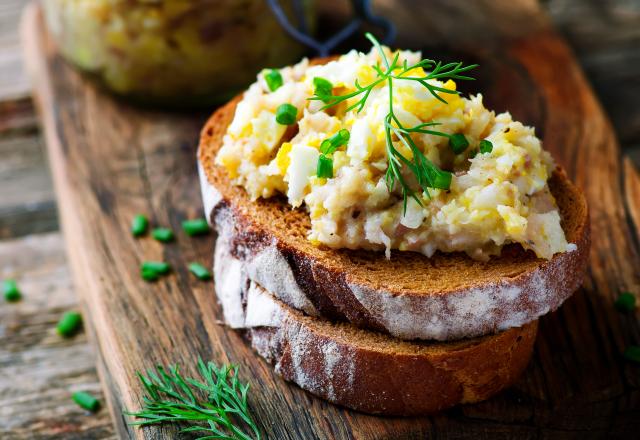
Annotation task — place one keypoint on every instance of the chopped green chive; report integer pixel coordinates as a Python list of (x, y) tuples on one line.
[(10, 291), (325, 167), (286, 114), (442, 180), (151, 270), (158, 266), (632, 353), (458, 143), (331, 144), (486, 146), (69, 324), (273, 79), (323, 88), (198, 226), (626, 302), (139, 225), (200, 271), (162, 234), (86, 401), (473, 154)]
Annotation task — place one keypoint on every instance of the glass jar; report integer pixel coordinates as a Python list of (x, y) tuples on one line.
[(178, 53)]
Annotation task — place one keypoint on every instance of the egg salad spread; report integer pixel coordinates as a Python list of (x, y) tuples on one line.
[(357, 167)]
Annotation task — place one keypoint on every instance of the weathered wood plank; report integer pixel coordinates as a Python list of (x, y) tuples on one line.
[(38, 369), (111, 161), (14, 83), (27, 204)]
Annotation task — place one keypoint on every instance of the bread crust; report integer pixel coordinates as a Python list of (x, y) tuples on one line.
[(365, 370), (411, 296)]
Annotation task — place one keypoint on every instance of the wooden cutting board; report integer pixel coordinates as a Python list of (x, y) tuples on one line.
[(111, 161)]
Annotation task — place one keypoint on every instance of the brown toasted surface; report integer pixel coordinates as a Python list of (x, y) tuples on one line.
[(404, 272), (375, 373)]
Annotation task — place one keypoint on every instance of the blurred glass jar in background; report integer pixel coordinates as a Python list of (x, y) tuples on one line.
[(176, 53)]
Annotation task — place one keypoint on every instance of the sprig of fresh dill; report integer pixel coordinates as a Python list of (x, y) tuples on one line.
[(427, 174), (219, 400)]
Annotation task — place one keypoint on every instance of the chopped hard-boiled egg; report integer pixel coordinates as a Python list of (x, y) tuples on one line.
[(497, 196)]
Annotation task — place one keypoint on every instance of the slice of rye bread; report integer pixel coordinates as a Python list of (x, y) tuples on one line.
[(448, 296), (367, 370)]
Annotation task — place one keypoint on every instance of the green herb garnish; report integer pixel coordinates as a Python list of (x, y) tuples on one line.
[(164, 235), (323, 88), (201, 272), (198, 226), (325, 167), (626, 302), (219, 399), (458, 143), (486, 146), (139, 225), (86, 401), (10, 291), (69, 324), (286, 114), (426, 173), (273, 79)]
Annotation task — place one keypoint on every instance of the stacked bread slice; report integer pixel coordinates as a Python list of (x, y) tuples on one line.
[(406, 335)]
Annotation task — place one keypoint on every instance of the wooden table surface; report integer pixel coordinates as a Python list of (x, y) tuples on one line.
[(36, 377)]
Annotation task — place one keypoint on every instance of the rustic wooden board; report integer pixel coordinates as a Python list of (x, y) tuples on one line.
[(38, 369), (110, 161)]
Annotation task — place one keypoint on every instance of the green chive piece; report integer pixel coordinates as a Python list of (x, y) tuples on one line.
[(273, 79), (10, 291), (86, 401), (69, 324), (632, 353), (200, 271), (331, 144), (458, 143), (473, 154), (157, 266), (325, 167), (198, 226), (323, 88), (486, 146), (442, 180), (164, 235), (286, 114), (139, 225), (149, 274), (626, 302)]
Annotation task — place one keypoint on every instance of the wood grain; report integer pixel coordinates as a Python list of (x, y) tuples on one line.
[(38, 369), (111, 161)]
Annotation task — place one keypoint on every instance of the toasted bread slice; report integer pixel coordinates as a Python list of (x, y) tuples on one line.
[(366, 370), (445, 297)]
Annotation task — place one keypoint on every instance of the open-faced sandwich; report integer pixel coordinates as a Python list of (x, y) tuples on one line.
[(385, 242)]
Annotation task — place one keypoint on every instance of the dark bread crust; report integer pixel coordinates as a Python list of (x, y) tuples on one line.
[(375, 373), (445, 297)]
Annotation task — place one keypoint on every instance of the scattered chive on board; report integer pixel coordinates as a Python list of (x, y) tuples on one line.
[(157, 266), (149, 274), (201, 272), (626, 302), (86, 401), (139, 225), (164, 235), (632, 353), (69, 324), (198, 226), (10, 291)]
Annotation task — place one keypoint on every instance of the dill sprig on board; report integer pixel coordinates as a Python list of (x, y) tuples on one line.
[(215, 405), (427, 174)]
